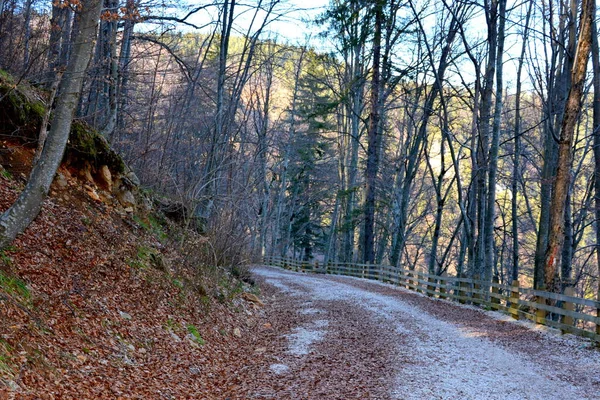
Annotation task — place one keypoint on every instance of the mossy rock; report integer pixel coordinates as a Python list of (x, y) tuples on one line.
[(22, 109), (87, 144)]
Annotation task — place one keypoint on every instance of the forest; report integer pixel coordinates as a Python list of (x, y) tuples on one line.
[(451, 137)]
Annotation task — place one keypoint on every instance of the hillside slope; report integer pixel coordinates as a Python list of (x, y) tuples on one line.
[(101, 297)]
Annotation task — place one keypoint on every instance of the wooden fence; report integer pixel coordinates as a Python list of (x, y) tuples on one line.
[(566, 312)]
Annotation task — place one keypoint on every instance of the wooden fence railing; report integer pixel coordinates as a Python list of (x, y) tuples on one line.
[(566, 312)]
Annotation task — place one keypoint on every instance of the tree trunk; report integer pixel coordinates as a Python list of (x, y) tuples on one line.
[(484, 150), (559, 80), (26, 34), (123, 68), (374, 141), (329, 249), (596, 133), (351, 187), (410, 171), (517, 154), (58, 48), (18, 217), (263, 151), (490, 214), (561, 184)]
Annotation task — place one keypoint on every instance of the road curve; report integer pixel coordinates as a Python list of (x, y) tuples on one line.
[(349, 338)]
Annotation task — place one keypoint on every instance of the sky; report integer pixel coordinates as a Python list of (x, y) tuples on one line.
[(293, 27), (290, 21)]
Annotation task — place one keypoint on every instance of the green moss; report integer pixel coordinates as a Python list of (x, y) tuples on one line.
[(21, 111), (36, 109), (5, 76), (86, 144), (21, 108), (7, 368), (5, 174), (171, 325), (177, 283), (192, 330), (138, 220), (81, 140), (14, 286), (5, 258), (144, 252), (152, 224), (145, 257)]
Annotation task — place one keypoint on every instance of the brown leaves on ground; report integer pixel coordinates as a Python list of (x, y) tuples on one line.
[(95, 322)]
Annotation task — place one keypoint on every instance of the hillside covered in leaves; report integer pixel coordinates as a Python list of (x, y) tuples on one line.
[(104, 295)]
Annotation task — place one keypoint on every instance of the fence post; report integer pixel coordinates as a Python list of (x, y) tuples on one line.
[(443, 283), (540, 314), (568, 306), (598, 315), (514, 299), (495, 301), (420, 277), (424, 286), (461, 291), (430, 287), (475, 295)]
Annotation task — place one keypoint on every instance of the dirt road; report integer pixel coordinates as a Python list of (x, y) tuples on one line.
[(345, 338)]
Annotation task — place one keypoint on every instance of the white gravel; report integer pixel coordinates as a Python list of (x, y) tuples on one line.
[(279, 369), (441, 360)]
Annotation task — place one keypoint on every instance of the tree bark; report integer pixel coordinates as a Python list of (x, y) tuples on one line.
[(490, 253), (374, 140), (563, 42), (18, 217), (27, 33), (561, 184), (596, 133), (517, 154)]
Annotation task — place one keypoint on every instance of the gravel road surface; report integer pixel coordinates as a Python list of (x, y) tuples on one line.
[(346, 338)]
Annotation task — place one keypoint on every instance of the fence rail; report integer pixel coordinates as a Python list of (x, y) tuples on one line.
[(567, 312)]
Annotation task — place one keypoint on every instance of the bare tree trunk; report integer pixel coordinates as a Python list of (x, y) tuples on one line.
[(567, 250), (596, 133), (517, 153), (563, 45), (44, 128), (27, 34), (110, 114), (123, 68), (490, 253), (439, 199), (483, 143), (278, 231), (411, 168), (217, 141), (561, 184), (18, 217), (331, 237), (355, 111), (263, 150), (59, 35), (374, 140)]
